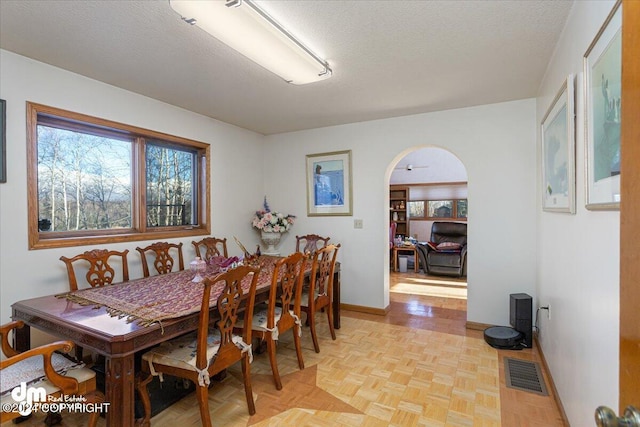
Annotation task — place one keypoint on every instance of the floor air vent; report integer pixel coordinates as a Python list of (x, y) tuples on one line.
[(524, 375)]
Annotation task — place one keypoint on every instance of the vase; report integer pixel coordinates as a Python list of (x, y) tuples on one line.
[(270, 239)]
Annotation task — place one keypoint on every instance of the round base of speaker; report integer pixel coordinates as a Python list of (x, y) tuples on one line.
[(503, 337)]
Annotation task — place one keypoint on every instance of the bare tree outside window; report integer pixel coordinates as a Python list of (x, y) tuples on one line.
[(91, 180), (84, 181), (169, 191)]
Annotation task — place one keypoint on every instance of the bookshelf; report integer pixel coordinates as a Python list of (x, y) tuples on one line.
[(398, 208)]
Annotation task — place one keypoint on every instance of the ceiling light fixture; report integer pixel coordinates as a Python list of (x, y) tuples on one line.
[(243, 26)]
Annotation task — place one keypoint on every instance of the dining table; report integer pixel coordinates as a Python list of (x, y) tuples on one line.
[(119, 320)]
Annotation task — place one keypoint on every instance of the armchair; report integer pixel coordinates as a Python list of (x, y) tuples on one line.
[(50, 374), (446, 253)]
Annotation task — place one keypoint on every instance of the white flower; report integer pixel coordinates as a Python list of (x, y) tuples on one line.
[(272, 221)]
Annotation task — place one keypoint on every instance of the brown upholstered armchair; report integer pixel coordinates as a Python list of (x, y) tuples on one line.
[(446, 253)]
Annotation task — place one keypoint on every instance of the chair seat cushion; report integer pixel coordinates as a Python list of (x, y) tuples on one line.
[(444, 259), (181, 352), (305, 297), (260, 316), (31, 371), (81, 374)]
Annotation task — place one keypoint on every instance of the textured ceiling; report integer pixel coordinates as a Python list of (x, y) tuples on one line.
[(389, 58)]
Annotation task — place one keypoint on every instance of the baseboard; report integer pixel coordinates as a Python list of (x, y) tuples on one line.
[(556, 396), (363, 309), (477, 326)]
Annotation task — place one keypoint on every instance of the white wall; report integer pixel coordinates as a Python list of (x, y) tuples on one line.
[(495, 142), (578, 255), (236, 192), (429, 165)]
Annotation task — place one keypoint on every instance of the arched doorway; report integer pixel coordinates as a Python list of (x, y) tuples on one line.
[(435, 183)]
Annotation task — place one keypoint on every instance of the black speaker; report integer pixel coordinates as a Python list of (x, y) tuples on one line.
[(520, 316)]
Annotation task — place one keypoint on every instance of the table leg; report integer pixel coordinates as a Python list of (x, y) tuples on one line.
[(395, 259), (119, 391), (22, 338), (415, 260)]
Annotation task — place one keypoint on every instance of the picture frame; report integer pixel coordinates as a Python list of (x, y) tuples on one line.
[(559, 151), (329, 191), (602, 89), (3, 140)]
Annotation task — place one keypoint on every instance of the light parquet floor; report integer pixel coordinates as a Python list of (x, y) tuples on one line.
[(417, 366)]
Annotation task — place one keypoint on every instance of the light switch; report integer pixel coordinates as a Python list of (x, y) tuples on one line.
[(357, 223)]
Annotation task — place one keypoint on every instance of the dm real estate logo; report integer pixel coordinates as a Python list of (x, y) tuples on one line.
[(26, 397)]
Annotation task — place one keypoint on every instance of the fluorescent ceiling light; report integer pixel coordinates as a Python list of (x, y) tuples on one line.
[(245, 27)]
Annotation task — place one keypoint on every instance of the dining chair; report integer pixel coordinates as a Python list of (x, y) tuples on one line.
[(310, 243), (212, 247), (319, 294), (270, 321), (212, 348), (44, 368), (100, 271), (163, 261)]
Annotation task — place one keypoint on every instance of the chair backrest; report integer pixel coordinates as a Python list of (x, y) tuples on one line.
[(322, 269), (212, 247), (239, 292), (286, 287), (100, 271), (163, 261), (449, 232), (310, 243)]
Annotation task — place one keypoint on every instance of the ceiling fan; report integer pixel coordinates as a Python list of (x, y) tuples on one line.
[(409, 167)]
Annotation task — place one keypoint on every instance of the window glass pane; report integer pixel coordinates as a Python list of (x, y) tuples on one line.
[(440, 208), (91, 181), (416, 209), (170, 186), (84, 181), (462, 208)]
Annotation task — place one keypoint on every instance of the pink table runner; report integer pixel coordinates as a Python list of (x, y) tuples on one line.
[(152, 299)]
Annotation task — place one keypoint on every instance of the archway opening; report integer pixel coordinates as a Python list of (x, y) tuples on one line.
[(427, 185)]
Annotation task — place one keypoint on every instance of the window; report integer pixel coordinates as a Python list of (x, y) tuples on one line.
[(438, 209), (95, 181)]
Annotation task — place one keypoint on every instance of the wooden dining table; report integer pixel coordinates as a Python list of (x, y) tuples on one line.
[(118, 335)]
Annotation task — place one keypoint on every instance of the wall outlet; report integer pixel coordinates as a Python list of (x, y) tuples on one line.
[(549, 311), (357, 223)]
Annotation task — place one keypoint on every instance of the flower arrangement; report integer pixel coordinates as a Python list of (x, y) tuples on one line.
[(273, 222)]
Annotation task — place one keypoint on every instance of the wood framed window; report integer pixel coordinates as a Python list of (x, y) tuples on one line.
[(96, 181), (454, 209)]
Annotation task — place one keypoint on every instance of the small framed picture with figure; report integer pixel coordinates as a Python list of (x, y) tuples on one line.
[(329, 184)]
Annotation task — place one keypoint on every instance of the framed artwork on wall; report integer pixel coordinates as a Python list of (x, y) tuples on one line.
[(602, 89), (3, 140), (559, 152), (329, 184)]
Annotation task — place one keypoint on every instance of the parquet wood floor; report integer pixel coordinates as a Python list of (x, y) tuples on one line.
[(417, 366)]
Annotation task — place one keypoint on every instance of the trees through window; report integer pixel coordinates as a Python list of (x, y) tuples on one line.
[(93, 180), (438, 209)]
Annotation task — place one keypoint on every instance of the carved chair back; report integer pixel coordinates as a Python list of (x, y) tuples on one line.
[(310, 243), (212, 247), (163, 261), (100, 272)]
